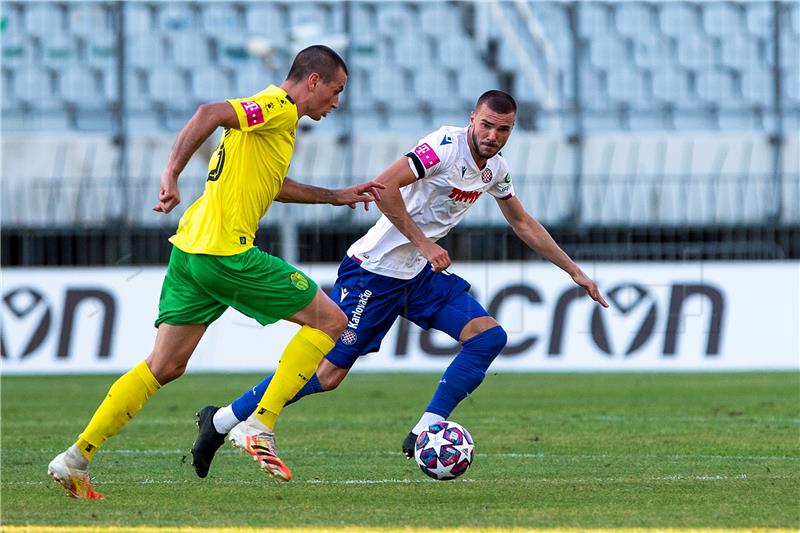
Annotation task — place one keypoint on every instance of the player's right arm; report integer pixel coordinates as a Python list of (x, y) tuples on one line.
[(206, 119), (391, 204)]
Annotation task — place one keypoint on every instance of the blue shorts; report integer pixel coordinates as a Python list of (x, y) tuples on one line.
[(372, 302)]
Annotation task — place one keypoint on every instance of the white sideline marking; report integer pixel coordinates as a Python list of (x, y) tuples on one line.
[(562, 481), (385, 453), (182, 420)]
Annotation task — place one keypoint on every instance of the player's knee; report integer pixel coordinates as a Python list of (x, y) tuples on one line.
[(492, 341), (498, 338), (164, 370)]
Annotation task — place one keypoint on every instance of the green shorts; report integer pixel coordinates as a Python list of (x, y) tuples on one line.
[(198, 288)]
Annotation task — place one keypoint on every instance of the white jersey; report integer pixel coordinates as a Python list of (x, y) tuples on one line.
[(448, 183)]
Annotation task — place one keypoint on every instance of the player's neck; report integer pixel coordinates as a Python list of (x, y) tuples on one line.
[(479, 161), (295, 93)]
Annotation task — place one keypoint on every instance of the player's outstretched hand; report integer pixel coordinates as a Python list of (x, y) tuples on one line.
[(438, 256), (168, 195), (363, 192), (591, 288)]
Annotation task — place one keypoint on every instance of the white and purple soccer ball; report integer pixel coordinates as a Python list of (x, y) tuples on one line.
[(444, 450)]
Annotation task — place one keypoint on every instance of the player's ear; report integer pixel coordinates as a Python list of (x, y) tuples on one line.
[(312, 80)]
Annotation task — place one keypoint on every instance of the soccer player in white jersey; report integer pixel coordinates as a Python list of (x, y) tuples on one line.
[(397, 269)]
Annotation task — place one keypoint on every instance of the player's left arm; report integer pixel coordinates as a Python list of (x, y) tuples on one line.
[(293, 192), (539, 240)]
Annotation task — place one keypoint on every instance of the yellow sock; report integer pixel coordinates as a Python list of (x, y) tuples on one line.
[(125, 397), (298, 363)]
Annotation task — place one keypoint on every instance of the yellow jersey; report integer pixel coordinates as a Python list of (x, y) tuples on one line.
[(245, 174)]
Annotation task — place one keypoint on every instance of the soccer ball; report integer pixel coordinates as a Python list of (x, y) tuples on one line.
[(444, 450)]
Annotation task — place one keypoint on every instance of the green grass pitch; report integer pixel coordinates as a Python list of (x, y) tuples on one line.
[(553, 451)]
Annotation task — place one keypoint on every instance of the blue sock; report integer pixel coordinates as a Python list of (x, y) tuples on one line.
[(245, 404), (467, 370)]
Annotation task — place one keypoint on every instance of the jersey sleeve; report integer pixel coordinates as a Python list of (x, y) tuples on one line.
[(263, 112), (430, 156), (502, 187)]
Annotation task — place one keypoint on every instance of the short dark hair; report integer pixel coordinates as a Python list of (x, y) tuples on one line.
[(498, 101), (316, 58)]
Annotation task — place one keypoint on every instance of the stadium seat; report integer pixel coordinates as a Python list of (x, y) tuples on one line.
[(678, 19), (793, 16), (522, 90), (175, 16), (608, 51), (459, 53), (221, 19), (59, 50), (393, 88), (653, 51), (475, 81), (79, 86), (593, 19), (145, 51), (34, 87), (210, 84), (17, 48), (437, 18), (253, 78), (635, 20), (44, 20), (716, 87), (101, 50), (363, 25), (671, 88), (722, 20), (396, 18), (189, 49), (267, 20), (88, 20), (137, 96), (308, 14), (453, 118), (168, 89), (434, 87), (695, 52), (412, 52), (791, 88), (740, 51), (626, 87), (758, 19), (411, 122), (358, 93), (710, 57), (757, 86), (368, 122), (594, 91), (139, 18), (790, 51)]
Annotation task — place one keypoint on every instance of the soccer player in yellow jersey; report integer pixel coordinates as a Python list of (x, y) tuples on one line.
[(214, 264)]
